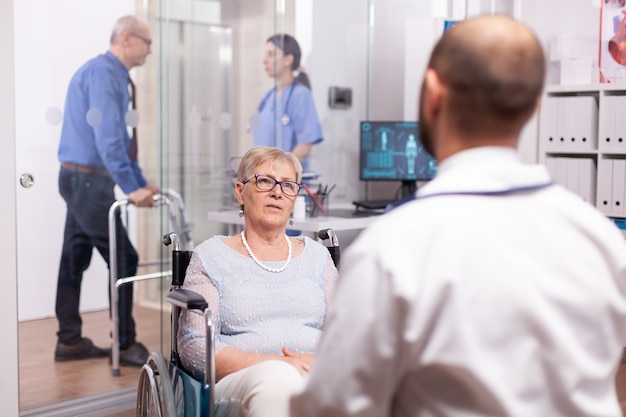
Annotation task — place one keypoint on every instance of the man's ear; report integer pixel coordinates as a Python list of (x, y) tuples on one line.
[(125, 38), (435, 91)]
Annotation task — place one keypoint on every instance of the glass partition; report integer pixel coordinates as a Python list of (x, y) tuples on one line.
[(197, 94)]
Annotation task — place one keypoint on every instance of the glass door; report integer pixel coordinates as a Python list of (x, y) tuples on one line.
[(190, 128), (195, 130), (198, 104), (51, 43)]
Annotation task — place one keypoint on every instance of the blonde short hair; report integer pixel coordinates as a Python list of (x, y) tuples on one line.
[(260, 155)]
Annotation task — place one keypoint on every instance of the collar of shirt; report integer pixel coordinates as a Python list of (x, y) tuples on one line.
[(484, 169), (117, 64)]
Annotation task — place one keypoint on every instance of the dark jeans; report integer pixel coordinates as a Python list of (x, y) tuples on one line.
[(88, 198)]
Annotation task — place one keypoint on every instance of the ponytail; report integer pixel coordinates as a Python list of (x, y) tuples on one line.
[(303, 79)]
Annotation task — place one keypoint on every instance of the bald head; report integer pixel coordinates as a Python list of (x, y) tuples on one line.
[(130, 24), (131, 41), (493, 70)]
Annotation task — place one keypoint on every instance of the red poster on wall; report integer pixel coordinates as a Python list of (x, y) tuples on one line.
[(612, 59)]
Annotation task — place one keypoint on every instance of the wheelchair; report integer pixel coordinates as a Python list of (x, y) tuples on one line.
[(165, 388)]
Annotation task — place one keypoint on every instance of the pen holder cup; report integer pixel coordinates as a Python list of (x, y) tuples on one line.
[(317, 205)]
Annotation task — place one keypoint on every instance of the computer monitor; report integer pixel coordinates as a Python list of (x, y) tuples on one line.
[(392, 151)]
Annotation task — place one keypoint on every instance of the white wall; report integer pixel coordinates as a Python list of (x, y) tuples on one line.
[(392, 46), (562, 17), (340, 52), (342, 48), (52, 39), (549, 19), (382, 66), (338, 57)]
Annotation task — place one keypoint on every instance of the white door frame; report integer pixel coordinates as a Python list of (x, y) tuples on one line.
[(9, 383)]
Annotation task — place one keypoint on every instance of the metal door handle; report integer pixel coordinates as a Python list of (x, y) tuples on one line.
[(27, 180)]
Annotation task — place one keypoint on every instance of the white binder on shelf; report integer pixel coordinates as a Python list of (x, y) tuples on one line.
[(550, 133), (567, 125), (571, 123), (617, 181), (604, 201), (561, 171), (572, 174), (586, 120), (608, 140), (619, 123), (587, 180)]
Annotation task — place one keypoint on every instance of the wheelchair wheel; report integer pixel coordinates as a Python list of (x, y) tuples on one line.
[(191, 396), (155, 396), (179, 393)]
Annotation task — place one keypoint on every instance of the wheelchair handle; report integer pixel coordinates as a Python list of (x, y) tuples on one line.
[(171, 238), (180, 258), (333, 248), (330, 235)]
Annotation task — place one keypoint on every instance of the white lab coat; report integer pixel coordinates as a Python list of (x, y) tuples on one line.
[(466, 305)]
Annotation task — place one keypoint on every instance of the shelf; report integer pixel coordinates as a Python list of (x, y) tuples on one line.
[(596, 173), (585, 88), (573, 153)]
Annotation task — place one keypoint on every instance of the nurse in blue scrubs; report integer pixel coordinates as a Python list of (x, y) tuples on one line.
[(286, 117)]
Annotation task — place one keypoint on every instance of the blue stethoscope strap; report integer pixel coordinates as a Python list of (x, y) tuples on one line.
[(497, 193), (284, 119)]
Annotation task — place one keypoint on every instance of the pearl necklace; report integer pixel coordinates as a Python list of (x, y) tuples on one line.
[(259, 263)]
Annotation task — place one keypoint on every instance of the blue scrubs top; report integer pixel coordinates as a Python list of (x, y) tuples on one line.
[(303, 126)]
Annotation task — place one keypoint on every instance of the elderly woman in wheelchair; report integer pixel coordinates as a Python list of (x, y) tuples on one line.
[(268, 293)]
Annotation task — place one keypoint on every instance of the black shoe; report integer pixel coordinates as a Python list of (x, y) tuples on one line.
[(85, 349), (135, 355)]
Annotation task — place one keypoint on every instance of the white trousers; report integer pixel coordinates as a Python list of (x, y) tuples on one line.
[(262, 390)]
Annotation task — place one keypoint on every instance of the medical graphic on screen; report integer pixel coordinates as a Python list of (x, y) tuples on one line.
[(392, 151)]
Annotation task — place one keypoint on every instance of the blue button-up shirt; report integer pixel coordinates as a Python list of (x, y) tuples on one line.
[(94, 130)]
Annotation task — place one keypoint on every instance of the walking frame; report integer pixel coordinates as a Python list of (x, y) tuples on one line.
[(181, 226)]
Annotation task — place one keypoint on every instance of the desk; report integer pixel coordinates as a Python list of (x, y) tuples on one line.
[(310, 224)]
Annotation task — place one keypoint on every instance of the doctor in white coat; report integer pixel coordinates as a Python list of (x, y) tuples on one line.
[(494, 292)]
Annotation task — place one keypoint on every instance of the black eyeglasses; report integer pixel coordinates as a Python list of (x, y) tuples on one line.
[(266, 183), (147, 41)]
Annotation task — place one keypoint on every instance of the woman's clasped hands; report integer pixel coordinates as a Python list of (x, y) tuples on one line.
[(301, 361)]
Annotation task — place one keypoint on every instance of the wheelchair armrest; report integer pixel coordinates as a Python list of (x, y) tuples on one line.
[(334, 254), (187, 299), (333, 244)]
